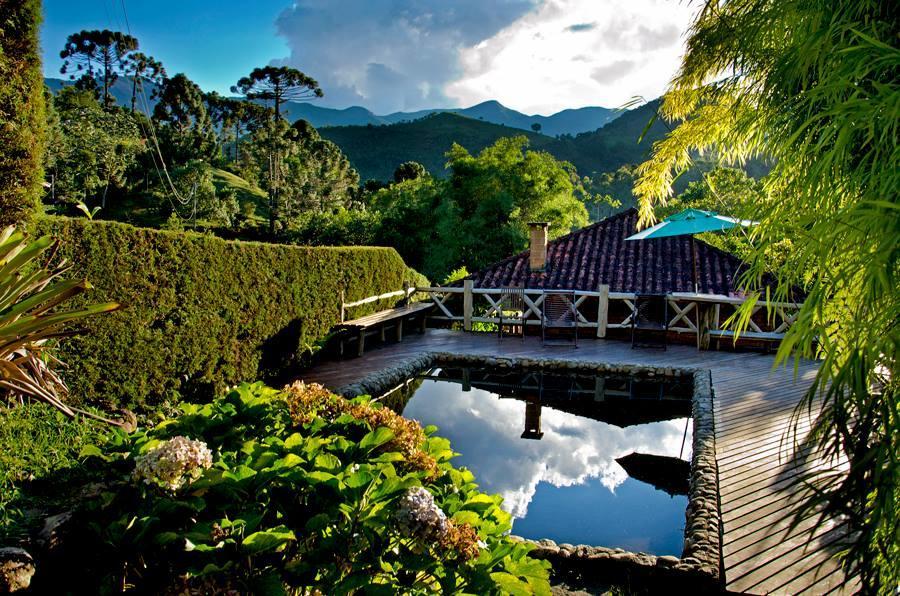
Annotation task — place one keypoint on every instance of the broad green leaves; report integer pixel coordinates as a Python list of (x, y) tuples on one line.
[(312, 507)]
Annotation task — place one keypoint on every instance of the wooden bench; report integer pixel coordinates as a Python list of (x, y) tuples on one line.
[(378, 323), (768, 337)]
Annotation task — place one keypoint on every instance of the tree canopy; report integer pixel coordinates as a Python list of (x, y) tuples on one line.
[(186, 129), (141, 67), (90, 54), (277, 84), (814, 85)]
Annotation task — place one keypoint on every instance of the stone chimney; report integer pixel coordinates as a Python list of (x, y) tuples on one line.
[(537, 256)]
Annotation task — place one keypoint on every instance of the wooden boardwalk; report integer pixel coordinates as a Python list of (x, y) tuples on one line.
[(758, 477)]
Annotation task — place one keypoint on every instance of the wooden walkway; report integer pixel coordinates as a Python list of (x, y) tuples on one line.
[(758, 477)]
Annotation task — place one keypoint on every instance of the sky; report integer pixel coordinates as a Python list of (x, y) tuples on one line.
[(535, 56)]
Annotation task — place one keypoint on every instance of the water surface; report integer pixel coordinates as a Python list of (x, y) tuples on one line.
[(563, 481)]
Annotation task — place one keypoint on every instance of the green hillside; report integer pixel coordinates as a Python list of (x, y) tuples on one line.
[(244, 191), (147, 210), (608, 148), (375, 151)]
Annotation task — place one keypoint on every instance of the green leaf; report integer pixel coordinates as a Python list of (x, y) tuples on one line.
[(376, 438), (327, 461), (91, 451), (358, 479), (318, 477), (288, 461), (479, 502), (267, 540), (239, 473), (467, 517), (510, 584), (293, 441), (387, 457), (318, 522)]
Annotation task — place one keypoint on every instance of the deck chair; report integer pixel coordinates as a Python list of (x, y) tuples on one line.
[(650, 321), (511, 307), (558, 311)]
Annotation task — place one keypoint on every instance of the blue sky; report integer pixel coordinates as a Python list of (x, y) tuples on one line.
[(536, 56), (213, 42)]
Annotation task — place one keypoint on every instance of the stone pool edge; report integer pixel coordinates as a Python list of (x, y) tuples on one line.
[(700, 562)]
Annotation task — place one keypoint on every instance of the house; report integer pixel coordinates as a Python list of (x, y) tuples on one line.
[(603, 274), (598, 254)]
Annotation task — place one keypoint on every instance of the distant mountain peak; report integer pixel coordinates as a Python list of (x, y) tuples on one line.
[(570, 121)]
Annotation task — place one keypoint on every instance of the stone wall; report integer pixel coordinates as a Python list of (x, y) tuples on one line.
[(698, 568)]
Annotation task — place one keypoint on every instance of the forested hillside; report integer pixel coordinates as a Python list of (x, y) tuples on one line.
[(376, 151)]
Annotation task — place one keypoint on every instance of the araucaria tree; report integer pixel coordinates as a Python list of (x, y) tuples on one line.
[(815, 85), (186, 130), (141, 67), (93, 54), (277, 84), (23, 129)]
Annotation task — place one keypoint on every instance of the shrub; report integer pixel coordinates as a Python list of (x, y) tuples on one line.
[(22, 111), (199, 312), (262, 490)]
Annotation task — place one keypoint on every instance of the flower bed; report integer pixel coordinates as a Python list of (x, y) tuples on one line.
[(264, 490)]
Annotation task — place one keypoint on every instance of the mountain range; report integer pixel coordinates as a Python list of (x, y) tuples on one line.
[(376, 150), (566, 122)]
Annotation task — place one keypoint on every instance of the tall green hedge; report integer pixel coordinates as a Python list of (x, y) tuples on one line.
[(201, 312), (22, 119)]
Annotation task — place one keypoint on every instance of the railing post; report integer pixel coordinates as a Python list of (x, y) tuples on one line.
[(467, 304), (342, 307), (602, 310)]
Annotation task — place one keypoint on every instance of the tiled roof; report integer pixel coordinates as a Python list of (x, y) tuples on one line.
[(598, 254)]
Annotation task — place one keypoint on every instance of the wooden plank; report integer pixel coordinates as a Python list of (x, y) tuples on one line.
[(602, 309), (467, 304), (388, 315)]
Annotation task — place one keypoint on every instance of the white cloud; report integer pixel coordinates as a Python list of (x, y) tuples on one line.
[(571, 53), (572, 451), (388, 56)]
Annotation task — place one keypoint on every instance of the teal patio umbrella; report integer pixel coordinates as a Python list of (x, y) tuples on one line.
[(688, 223)]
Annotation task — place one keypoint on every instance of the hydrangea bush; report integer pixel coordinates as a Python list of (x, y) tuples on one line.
[(296, 491)]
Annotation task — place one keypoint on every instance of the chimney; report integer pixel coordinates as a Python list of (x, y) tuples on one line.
[(537, 257)]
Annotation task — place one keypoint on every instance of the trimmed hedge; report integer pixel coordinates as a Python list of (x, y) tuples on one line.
[(23, 123), (200, 312)]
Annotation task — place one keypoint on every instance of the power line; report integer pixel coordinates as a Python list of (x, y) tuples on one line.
[(184, 201)]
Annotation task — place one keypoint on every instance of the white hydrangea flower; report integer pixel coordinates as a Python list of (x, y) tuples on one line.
[(173, 463), (418, 516)]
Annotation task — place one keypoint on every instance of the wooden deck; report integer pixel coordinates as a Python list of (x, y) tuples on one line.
[(758, 478)]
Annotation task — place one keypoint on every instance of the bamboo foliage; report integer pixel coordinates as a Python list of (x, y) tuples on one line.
[(31, 294), (815, 86)]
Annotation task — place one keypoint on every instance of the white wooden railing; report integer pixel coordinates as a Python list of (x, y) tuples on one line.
[(689, 312)]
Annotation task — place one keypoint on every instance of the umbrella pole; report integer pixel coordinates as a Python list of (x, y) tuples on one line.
[(694, 265)]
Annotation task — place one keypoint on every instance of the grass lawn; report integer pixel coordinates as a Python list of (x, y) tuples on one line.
[(39, 463)]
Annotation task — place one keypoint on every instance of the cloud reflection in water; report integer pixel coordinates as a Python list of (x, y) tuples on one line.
[(573, 452)]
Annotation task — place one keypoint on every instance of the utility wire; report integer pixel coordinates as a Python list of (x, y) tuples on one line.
[(167, 180)]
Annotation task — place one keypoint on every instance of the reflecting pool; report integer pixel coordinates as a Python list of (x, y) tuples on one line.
[(549, 445)]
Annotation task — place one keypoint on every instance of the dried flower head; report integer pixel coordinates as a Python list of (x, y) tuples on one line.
[(462, 540), (309, 400), (173, 463)]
